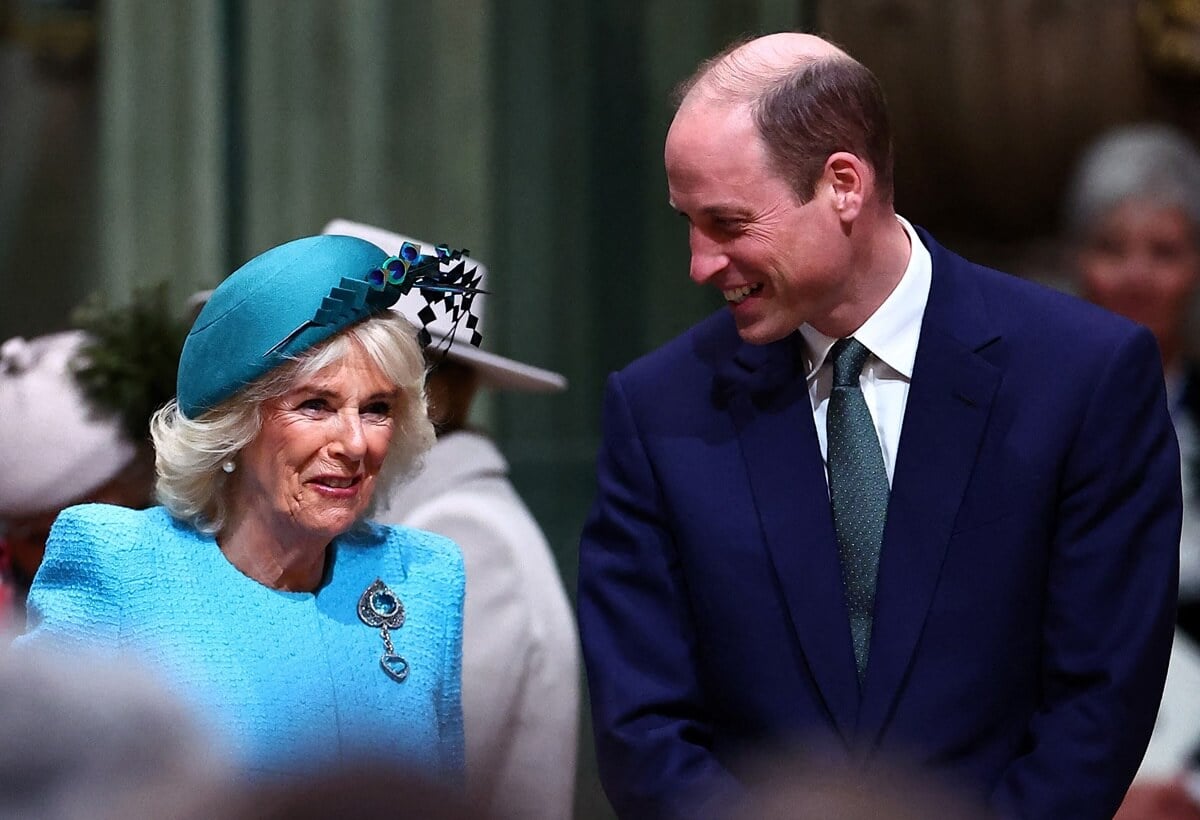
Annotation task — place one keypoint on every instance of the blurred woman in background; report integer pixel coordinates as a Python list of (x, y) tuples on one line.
[(57, 449)]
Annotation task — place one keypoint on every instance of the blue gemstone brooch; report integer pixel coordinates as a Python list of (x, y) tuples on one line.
[(380, 608)]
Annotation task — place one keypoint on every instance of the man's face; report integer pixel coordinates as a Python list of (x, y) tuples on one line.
[(1141, 260), (777, 263)]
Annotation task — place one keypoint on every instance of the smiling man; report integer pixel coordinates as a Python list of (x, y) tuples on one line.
[(887, 504)]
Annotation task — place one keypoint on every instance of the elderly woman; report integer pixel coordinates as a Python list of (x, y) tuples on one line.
[(307, 634)]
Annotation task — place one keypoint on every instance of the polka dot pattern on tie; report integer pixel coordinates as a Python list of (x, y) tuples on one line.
[(858, 491)]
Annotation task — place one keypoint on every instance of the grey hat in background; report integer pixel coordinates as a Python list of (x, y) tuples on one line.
[(55, 447), (495, 371), (100, 737), (1155, 162)]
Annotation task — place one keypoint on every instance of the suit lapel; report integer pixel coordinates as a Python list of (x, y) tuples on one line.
[(944, 422), (767, 396)]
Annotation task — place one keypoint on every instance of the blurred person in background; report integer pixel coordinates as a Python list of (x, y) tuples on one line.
[(84, 737), (806, 786), (305, 634), (75, 411), (1133, 222), (57, 450), (520, 646), (356, 789)]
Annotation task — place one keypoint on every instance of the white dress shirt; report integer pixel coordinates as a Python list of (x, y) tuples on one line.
[(891, 334)]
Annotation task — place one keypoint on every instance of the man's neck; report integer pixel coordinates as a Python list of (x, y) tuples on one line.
[(875, 271)]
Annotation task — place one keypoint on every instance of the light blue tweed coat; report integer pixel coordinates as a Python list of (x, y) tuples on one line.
[(288, 681)]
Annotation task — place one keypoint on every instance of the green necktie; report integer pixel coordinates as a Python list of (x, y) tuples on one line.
[(858, 491)]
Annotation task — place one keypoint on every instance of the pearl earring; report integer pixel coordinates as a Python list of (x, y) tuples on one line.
[(229, 466)]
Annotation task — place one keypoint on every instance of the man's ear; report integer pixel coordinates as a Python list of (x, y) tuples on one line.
[(847, 178)]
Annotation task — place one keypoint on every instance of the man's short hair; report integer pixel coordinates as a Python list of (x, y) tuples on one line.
[(1152, 162), (805, 112), (819, 108)]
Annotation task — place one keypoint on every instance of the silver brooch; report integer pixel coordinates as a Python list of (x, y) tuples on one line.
[(379, 607)]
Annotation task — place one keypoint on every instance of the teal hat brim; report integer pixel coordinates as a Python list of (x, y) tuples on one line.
[(272, 309)]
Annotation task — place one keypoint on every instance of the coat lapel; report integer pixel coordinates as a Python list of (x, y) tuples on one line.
[(944, 422), (766, 394)]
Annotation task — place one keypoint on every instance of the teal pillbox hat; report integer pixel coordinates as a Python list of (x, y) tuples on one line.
[(275, 307)]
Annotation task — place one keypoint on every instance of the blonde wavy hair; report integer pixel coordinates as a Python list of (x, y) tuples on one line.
[(189, 453)]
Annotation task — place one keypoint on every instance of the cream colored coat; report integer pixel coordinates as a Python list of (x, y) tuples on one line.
[(520, 646)]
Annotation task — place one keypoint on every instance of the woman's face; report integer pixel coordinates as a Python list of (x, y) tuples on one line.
[(1142, 261), (311, 471)]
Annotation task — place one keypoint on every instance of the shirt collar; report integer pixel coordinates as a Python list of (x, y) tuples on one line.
[(893, 330)]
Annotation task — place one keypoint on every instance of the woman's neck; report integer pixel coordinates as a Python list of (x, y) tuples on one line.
[(268, 559)]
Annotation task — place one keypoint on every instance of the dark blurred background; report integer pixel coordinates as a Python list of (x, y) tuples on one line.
[(143, 140)]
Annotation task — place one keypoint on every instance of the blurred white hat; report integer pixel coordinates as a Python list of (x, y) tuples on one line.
[(494, 371), (55, 449)]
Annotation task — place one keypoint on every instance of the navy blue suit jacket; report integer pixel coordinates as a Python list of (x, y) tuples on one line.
[(1027, 581)]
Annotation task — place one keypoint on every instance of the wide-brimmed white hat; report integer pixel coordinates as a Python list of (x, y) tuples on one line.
[(55, 447), (494, 370)]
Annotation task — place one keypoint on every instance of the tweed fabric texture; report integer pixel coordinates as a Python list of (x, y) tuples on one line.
[(290, 681), (858, 491)]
